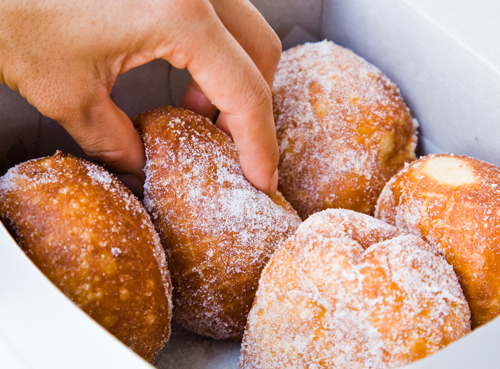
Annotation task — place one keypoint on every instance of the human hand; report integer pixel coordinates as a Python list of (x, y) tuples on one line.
[(64, 56)]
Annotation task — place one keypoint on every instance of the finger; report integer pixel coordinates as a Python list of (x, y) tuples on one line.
[(221, 123), (107, 136), (230, 79), (196, 100), (253, 33), (256, 37)]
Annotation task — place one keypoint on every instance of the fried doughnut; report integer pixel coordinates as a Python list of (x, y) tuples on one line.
[(349, 291), (217, 229), (92, 238), (453, 202), (343, 129)]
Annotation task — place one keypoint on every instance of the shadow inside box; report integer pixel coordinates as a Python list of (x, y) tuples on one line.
[(188, 350)]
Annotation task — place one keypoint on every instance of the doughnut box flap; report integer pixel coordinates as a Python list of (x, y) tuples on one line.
[(444, 57)]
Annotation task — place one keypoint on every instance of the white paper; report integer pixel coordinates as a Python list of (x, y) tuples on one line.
[(43, 329), (474, 24), (454, 94), (445, 62)]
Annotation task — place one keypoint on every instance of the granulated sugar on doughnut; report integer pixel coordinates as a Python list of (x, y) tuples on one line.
[(343, 129), (349, 291), (93, 239), (217, 229), (453, 202)]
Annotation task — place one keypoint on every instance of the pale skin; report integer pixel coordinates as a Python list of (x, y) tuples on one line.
[(64, 56)]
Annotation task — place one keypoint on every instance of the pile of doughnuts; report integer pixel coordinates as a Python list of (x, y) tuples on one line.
[(342, 289), (345, 291)]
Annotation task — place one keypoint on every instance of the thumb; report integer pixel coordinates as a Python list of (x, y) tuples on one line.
[(107, 135)]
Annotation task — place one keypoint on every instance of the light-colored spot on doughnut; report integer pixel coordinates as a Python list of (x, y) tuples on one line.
[(124, 294), (116, 251), (150, 284), (386, 145), (450, 171), (150, 318), (108, 263), (321, 105), (110, 320)]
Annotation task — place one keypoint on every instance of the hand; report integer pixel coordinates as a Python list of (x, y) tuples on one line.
[(64, 56)]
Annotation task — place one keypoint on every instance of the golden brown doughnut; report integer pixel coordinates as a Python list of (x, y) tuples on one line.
[(343, 129), (92, 238), (453, 202), (349, 291), (217, 229)]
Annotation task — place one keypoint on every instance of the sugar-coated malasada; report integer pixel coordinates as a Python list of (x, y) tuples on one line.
[(350, 291), (453, 202), (217, 229), (343, 129)]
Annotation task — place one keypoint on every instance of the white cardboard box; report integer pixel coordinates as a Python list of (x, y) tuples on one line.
[(445, 57)]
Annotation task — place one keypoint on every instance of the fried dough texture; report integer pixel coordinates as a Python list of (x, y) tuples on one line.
[(349, 291), (453, 203), (95, 241), (217, 229), (343, 129)]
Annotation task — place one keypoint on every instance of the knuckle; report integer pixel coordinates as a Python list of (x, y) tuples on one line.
[(259, 97), (267, 52), (111, 157), (192, 9), (268, 45), (274, 48)]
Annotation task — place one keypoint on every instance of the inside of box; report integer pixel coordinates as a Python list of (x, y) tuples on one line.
[(453, 92)]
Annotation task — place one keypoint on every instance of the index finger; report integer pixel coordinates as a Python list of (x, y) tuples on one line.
[(231, 80), (256, 37)]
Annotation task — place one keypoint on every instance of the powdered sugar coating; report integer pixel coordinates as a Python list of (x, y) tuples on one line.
[(343, 129), (453, 202), (348, 291), (92, 238), (218, 230)]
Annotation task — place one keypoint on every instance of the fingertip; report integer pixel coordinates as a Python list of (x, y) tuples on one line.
[(195, 100), (119, 147), (107, 135), (259, 176)]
